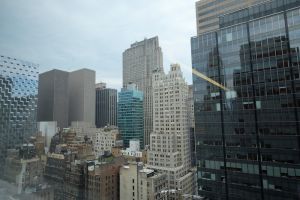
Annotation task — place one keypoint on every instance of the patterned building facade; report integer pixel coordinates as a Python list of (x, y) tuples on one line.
[(18, 102)]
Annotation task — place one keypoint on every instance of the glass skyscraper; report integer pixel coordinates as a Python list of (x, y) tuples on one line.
[(106, 106), (130, 115), (18, 103), (247, 104)]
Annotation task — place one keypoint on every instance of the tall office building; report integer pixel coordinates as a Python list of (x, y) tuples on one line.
[(139, 61), (82, 96), (170, 150), (106, 106), (53, 97), (18, 103), (247, 94), (65, 97), (131, 115), (191, 123), (208, 12)]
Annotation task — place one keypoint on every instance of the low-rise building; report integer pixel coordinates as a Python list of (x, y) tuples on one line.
[(129, 181), (26, 174), (151, 185), (23, 169), (54, 173), (105, 139), (83, 129), (102, 179), (134, 153), (74, 180), (138, 183), (48, 130)]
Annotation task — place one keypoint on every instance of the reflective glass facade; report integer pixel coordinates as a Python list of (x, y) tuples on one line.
[(18, 103), (131, 116), (106, 107), (247, 133)]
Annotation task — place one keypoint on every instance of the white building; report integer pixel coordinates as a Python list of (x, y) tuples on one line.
[(170, 143), (140, 183), (139, 61), (104, 139), (47, 129), (129, 181), (133, 150), (152, 185)]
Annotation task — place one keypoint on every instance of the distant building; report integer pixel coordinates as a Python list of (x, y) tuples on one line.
[(170, 151), (106, 106), (65, 97), (27, 174), (82, 96), (83, 129), (130, 115), (134, 152), (102, 179), (105, 139), (152, 184), (133, 149), (24, 169), (137, 182), (53, 97), (18, 103), (54, 173), (74, 180), (129, 181), (139, 61), (191, 123), (48, 130), (63, 170), (208, 12)]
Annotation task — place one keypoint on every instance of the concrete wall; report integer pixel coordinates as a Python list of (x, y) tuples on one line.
[(82, 96), (53, 101)]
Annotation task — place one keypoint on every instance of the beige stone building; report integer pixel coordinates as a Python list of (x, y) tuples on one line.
[(129, 181), (140, 183), (105, 139), (151, 185), (170, 151)]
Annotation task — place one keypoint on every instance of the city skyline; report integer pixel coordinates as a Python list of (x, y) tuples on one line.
[(69, 36), (206, 105)]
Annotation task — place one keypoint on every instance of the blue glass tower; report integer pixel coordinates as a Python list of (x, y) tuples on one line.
[(18, 102), (130, 115)]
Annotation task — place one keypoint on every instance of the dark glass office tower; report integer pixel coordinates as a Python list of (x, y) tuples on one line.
[(106, 106), (18, 103), (247, 104)]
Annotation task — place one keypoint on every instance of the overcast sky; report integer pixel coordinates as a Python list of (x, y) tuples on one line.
[(72, 34)]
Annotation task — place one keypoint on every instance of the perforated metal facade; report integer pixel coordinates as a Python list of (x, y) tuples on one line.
[(18, 102)]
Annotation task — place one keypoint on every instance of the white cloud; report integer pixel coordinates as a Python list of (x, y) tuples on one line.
[(71, 34)]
